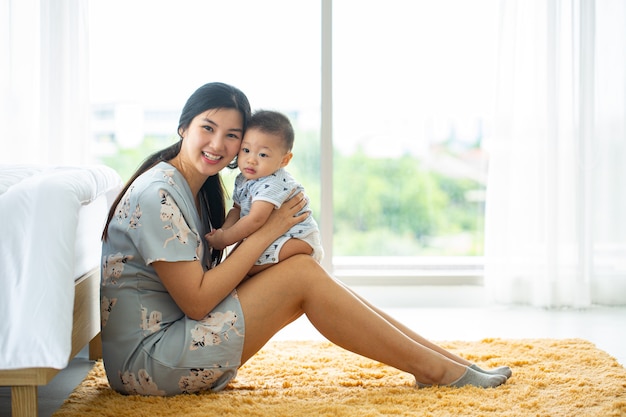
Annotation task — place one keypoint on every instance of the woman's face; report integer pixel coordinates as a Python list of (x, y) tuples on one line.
[(211, 142)]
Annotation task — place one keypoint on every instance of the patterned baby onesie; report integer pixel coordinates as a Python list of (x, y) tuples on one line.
[(275, 189)]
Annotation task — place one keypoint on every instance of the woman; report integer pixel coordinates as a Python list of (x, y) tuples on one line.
[(175, 319)]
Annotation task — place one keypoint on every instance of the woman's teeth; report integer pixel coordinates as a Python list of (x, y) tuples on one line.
[(211, 157)]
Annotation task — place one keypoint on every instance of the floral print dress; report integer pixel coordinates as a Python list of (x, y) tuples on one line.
[(149, 346)]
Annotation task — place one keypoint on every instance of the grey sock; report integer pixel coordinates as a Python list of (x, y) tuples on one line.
[(472, 377), (502, 370)]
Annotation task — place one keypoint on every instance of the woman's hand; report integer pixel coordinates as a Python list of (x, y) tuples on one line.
[(283, 218)]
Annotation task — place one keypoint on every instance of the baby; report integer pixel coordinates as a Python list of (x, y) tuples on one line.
[(263, 185)]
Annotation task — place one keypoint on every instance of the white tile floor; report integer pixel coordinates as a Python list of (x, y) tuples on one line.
[(438, 313)]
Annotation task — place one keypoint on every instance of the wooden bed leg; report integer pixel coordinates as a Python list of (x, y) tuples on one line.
[(95, 348), (24, 401)]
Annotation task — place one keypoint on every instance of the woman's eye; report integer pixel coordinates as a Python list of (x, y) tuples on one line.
[(208, 128)]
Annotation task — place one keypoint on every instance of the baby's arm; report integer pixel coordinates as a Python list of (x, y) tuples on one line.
[(216, 237), (242, 228), (232, 217)]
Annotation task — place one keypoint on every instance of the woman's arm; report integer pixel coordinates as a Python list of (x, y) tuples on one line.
[(197, 292)]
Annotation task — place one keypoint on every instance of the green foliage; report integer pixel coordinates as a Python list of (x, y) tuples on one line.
[(126, 160), (378, 242), (305, 166), (393, 194), (392, 206)]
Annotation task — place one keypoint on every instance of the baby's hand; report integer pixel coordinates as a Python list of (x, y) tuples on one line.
[(216, 239)]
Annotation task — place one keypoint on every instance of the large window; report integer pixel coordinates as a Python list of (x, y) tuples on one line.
[(412, 98), (411, 102)]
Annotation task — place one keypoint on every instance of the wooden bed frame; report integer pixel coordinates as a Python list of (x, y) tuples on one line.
[(85, 329)]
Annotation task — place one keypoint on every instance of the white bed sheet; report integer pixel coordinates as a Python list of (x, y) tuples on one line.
[(51, 219)]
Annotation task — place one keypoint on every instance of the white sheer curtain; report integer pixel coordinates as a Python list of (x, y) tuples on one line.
[(556, 198), (44, 103)]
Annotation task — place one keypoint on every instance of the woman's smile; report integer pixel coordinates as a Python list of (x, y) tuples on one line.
[(211, 158)]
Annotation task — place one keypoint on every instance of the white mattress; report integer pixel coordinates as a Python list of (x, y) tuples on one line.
[(51, 219)]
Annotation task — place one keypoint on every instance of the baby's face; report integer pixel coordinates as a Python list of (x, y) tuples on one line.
[(261, 154)]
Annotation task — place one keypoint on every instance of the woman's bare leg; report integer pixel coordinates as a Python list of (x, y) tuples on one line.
[(298, 285), (411, 333), (502, 370)]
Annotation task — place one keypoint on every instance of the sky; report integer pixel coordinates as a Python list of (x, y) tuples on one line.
[(398, 71), (160, 51)]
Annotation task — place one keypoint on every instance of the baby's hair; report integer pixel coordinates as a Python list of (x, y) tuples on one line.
[(275, 123)]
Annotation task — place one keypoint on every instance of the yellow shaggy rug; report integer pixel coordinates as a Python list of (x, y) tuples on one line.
[(569, 377)]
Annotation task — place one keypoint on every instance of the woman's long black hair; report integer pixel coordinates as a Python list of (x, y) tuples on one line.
[(212, 194)]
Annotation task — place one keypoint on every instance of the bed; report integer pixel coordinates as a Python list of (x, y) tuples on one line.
[(51, 219)]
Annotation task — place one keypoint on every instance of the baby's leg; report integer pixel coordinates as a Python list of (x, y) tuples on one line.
[(294, 247), (290, 248)]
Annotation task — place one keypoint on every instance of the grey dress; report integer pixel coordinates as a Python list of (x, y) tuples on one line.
[(149, 346)]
